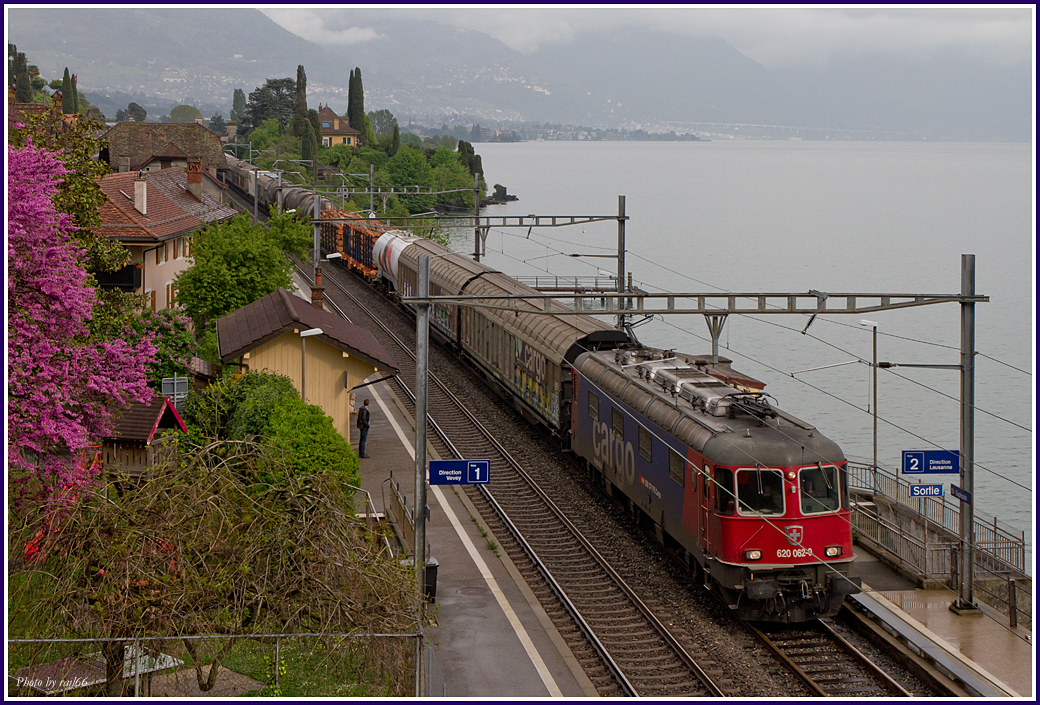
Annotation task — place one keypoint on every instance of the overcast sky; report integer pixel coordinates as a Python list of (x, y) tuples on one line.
[(775, 37)]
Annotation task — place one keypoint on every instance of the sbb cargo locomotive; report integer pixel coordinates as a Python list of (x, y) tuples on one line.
[(755, 500)]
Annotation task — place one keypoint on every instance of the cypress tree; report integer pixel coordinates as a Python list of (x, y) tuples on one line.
[(66, 93), (75, 93), (23, 84), (300, 102), (309, 144), (356, 104), (350, 99), (395, 143)]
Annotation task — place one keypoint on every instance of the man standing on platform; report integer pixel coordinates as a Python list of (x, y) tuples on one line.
[(364, 418)]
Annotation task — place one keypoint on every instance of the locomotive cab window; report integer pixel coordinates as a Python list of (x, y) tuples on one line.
[(819, 489), (593, 406), (677, 468), (645, 444), (617, 422), (760, 491), (724, 503)]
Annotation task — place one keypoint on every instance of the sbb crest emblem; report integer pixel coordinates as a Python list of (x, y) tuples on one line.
[(794, 535)]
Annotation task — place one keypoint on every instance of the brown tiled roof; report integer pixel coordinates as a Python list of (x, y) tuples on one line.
[(120, 220), (139, 422), (279, 312), (326, 114), (173, 183), (143, 140)]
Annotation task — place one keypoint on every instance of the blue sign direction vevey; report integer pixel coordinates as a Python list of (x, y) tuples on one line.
[(459, 472), (926, 490), (931, 462), (962, 495)]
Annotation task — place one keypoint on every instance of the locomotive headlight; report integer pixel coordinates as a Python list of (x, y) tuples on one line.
[(832, 551), (753, 554)]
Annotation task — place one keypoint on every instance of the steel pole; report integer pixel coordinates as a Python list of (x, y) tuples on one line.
[(317, 226), (422, 338), (967, 476), (621, 259), (875, 400)]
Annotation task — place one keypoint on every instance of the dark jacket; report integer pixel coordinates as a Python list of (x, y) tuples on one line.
[(363, 418)]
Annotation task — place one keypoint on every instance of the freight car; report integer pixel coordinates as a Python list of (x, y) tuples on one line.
[(754, 500)]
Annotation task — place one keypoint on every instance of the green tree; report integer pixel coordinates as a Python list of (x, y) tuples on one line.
[(23, 83), (275, 99), (383, 123), (217, 124), (67, 101), (356, 103), (137, 112), (395, 142), (238, 108), (183, 114), (300, 102), (236, 263), (173, 339), (304, 436), (408, 169), (75, 94), (308, 144)]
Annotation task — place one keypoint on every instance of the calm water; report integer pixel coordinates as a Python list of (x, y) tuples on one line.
[(841, 217)]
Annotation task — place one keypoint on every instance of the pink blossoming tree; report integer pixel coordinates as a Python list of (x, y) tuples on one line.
[(62, 386)]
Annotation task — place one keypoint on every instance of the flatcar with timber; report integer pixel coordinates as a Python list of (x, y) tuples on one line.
[(753, 499)]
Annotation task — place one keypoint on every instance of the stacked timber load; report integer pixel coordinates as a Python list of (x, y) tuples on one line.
[(352, 235)]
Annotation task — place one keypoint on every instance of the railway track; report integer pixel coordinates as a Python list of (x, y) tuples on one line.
[(828, 664), (627, 649), (623, 646)]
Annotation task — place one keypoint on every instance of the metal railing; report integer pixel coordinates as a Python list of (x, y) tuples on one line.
[(1005, 549), (999, 556)]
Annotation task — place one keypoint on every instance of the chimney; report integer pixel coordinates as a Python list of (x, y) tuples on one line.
[(318, 291), (141, 194), (195, 178)]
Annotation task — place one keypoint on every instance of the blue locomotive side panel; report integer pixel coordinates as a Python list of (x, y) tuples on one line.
[(648, 464)]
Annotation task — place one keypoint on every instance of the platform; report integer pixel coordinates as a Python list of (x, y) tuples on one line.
[(990, 657), (491, 638)]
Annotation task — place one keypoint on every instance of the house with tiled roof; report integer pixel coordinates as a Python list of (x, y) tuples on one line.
[(335, 129), (152, 146), (139, 439), (325, 356), (154, 216)]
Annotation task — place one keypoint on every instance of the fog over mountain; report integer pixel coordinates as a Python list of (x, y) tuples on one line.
[(587, 71)]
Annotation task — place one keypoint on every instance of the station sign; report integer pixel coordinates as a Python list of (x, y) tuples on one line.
[(459, 472), (926, 490), (962, 495), (931, 462)]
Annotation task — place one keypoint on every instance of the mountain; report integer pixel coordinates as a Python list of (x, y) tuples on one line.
[(432, 73)]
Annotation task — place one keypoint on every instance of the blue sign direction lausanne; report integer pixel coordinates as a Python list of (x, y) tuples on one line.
[(459, 472), (931, 462), (926, 490)]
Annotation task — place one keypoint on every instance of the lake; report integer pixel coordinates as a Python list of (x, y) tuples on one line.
[(772, 216)]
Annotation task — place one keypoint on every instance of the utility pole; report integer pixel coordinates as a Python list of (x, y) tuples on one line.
[(967, 478), (621, 260), (476, 217), (422, 346)]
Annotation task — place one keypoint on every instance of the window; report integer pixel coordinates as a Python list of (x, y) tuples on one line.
[(617, 422), (326, 125), (593, 406), (723, 490), (819, 489), (677, 468), (645, 443), (187, 247), (760, 491), (177, 248), (150, 293)]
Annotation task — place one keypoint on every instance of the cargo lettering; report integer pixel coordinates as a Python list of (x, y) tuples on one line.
[(614, 453)]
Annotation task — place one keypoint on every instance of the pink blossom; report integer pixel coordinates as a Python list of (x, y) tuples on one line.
[(61, 384)]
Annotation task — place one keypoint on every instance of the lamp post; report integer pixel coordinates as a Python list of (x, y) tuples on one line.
[(303, 361), (873, 367)]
